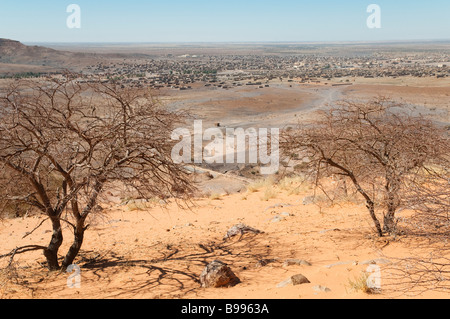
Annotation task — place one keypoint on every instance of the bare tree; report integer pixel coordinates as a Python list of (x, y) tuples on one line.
[(379, 146), (63, 143), (419, 273), (428, 197)]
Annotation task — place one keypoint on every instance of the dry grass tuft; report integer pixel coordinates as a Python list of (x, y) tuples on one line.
[(361, 284), (215, 196), (260, 184), (269, 193)]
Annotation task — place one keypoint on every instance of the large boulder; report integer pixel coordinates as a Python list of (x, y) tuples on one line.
[(217, 275)]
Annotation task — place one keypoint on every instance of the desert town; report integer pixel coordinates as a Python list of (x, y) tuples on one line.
[(231, 71), (227, 66)]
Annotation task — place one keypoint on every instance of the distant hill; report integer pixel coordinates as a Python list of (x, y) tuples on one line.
[(16, 53)]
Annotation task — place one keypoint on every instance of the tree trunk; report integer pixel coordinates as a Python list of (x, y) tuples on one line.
[(79, 227), (389, 223), (76, 245), (389, 218), (392, 201), (371, 207), (51, 253)]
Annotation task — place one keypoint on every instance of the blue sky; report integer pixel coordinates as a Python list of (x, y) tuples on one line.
[(223, 21)]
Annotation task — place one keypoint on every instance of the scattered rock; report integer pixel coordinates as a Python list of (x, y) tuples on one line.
[(285, 214), (217, 274), (299, 280), (278, 206), (319, 288), (186, 225), (264, 262), (309, 200), (294, 262), (294, 280), (277, 219), (378, 261), (261, 263), (285, 283), (241, 229)]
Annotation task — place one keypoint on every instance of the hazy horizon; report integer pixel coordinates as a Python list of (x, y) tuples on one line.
[(412, 41)]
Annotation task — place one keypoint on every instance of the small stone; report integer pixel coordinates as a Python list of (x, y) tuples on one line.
[(299, 280), (277, 219), (264, 262), (285, 283), (241, 229), (378, 261), (261, 263), (319, 288), (277, 206), (285, 214), (294, 262), (294, 280)]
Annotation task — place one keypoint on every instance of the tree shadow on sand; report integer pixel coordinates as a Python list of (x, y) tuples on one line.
[(175, 272)]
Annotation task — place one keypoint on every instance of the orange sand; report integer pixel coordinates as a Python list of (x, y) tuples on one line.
[(160, 253)]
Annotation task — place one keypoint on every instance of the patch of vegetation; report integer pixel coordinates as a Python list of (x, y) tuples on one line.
[(215, 196), (23, 75), (269, 193), (361, 284)]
